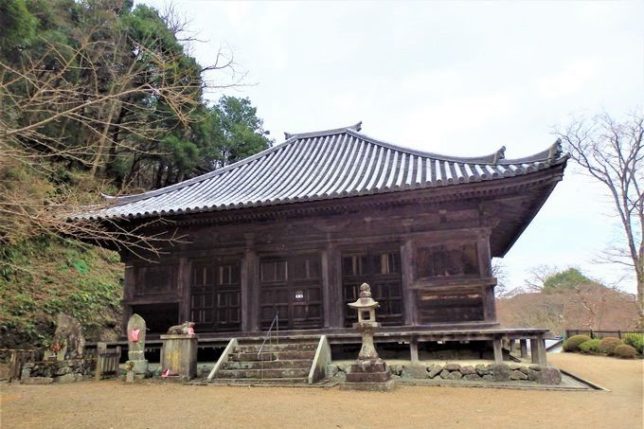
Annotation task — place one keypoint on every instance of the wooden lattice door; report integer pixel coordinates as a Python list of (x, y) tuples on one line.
[(381, 270), (292, 288), (216, 296)]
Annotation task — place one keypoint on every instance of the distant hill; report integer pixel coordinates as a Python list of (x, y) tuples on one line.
[(587, 305)]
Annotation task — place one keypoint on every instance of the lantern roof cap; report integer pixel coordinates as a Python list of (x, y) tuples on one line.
[(365, 301)]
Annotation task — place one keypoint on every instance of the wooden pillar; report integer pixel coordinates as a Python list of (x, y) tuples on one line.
[(538, 351), (413, 350), (128, 294), (334, 283), (485, 269), (489, 303), (407, 266), (183, 289), (243, 293), (498, 350), (250, 287), (523, 343), (326, 288), (484, 254)]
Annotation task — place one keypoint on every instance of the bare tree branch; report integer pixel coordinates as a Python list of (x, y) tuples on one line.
[(612, 153), (79, 104)]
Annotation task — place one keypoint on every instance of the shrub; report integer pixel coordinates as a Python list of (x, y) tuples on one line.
[(572, 344), (608, 344), (625, 351), (636, 341), (590, 346)]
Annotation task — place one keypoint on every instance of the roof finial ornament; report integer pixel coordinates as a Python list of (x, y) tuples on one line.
[(356, 127), (287, 135), (555, 150), (499, 155)]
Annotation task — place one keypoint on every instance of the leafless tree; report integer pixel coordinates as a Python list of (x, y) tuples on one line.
[(537, 277), (611, 152), (42, 108)]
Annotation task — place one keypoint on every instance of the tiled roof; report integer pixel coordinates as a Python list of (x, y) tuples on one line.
[(320, 166)]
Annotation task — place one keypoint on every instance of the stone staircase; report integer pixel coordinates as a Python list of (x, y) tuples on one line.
[(286, 362)]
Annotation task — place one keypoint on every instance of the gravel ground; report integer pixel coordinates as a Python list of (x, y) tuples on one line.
[(112, 404)]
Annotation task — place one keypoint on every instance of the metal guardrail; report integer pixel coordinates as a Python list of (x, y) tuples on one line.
[(269, 334), (268, 337)]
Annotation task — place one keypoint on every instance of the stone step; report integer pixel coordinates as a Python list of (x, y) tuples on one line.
[(264, 356), (263, 373), (267, 381), (250, 348), (272, 364), (280, 339)]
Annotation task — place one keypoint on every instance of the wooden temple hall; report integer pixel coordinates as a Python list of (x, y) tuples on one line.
[(294, 231)]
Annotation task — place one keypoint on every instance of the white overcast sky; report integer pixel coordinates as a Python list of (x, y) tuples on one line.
[(460, 78)]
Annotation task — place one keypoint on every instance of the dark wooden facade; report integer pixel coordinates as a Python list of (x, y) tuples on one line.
[(427, 259), (296, 229)]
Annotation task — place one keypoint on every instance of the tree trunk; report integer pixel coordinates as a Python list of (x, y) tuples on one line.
[(97, 162), (640, 295)]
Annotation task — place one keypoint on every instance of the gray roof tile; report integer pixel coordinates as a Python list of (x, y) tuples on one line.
[(317, 166)]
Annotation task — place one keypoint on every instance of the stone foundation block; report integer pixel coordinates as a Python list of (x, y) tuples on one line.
[(435, 370), (472, 377), (455, 375), (500, 372), (467, 370), (548, 376), (482, 369), (518, 375), (415, 371)]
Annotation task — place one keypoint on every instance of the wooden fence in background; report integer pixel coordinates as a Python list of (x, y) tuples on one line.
[(599, 334), (17, 358), (107, 361)]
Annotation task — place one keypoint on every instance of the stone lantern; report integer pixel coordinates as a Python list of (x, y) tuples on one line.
[(366, 307), (369, 372)]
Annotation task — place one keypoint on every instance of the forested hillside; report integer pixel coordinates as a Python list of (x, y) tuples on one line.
[(568, 300), (96, 96)]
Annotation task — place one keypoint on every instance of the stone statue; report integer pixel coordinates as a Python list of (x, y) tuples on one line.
[(69, 341), (136, 328), (186, 328)]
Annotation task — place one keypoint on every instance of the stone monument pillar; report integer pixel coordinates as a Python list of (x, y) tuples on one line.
[(369, 372), (69, 342), (179, 352), (136, 345)]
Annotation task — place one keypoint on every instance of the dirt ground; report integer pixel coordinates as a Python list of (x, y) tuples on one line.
[(112, 404)]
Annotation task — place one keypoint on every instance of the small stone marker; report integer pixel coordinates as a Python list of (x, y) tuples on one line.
[(129, 375), (136, 328)]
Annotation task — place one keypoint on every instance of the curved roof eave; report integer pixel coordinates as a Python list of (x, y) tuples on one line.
[(321, 165)]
